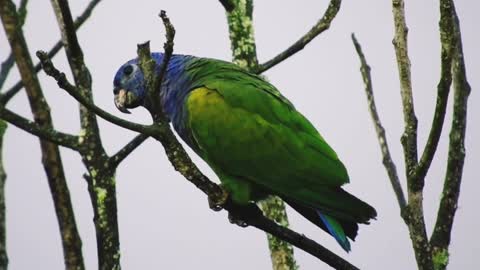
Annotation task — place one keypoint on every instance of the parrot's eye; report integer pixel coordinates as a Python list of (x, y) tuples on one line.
[(128, 70)]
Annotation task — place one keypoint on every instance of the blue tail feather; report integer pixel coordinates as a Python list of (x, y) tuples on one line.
[(336, 231)]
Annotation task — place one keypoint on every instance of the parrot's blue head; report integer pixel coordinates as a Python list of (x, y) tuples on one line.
[(129, 84)]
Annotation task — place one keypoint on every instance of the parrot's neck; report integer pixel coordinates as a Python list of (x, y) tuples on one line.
[(176, 85)]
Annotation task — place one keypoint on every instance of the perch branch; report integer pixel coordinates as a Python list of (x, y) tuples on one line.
[(322, 25), (441, 235), (382, 138), (52, 52)]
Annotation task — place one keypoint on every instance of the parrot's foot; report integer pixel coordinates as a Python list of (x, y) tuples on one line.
[(218, 203), (243, 214), (237, 220)]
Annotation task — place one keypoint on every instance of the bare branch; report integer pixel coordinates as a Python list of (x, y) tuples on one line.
[(167, 47), (52, 161), (10, 61), (443, 90), (382, 138), (409, 137), (5, 69), (3, 225), (241, 33), (413, 213), (322, 25), (102, 185), (441, 235), (116, 159), (49, 134), (5, 98)]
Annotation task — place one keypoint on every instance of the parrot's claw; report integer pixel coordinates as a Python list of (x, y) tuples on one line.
[(237, 221)]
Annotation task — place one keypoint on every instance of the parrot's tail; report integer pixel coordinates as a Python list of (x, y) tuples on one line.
[(339, 229)]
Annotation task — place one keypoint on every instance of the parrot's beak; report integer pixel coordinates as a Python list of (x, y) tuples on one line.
[(120, 100)]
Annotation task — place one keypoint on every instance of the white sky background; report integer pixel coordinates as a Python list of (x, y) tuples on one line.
[(165, 222)]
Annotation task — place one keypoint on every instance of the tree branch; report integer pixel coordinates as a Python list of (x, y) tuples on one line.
[(409, 137), (46, 133), (382, 138), (147, 64), (322, 25), (5, 69), (441, 235), (51, 159), (5, 98), (10, 61), (102, 175), (443, 90), (228, 5), (242, 37), (413, 213), (116, 159), (3, 225)]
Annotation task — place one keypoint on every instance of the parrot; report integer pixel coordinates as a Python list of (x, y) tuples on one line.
[(252, 137)]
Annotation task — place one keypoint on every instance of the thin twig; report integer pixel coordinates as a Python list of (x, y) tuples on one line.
[(168, 51), (3, 225), (382, 138), (441, 235), (49, 134), (10, 93), (322, 25), (116, 159), (5, 68)]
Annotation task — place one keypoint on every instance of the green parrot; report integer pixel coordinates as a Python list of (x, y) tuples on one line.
[(252, 137)]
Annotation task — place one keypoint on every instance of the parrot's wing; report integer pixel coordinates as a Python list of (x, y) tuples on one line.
[(244, 127)]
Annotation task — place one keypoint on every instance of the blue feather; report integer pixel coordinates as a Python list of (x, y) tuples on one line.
[(336, 231)]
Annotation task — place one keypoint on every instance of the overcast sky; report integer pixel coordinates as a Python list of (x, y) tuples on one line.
[(165, 222)]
